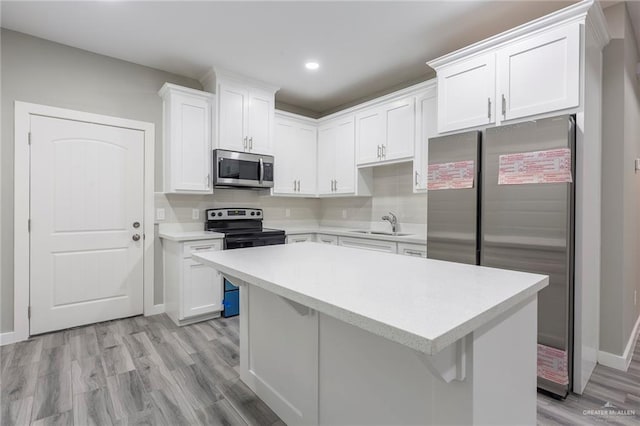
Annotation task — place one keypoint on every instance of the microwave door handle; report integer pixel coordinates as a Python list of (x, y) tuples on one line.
[(261, 170)]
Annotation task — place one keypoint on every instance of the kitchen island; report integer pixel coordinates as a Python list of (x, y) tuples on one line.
[(336, 335)]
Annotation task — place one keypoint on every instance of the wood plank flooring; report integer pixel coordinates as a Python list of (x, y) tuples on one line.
[(148, 371), (134, 371)]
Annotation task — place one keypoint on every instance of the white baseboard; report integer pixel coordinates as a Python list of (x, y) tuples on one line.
[(621, 362), (155, 310), (8, 338)]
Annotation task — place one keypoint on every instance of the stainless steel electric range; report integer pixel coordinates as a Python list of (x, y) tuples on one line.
[(241, 228)]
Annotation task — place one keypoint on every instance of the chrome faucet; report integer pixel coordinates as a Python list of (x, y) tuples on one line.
[(393, 220)]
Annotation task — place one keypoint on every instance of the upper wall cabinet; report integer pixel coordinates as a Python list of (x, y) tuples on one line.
[(540, 74), (295, 144), (187, 139), (245, 112), (386, 133), (427, 111), (466, 93), (337, 172), (521, 73)]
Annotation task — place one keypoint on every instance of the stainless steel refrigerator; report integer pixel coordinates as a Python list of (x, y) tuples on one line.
[(513, 209)]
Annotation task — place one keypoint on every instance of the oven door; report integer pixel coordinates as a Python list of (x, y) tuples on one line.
[(239, 169), (231, 243)]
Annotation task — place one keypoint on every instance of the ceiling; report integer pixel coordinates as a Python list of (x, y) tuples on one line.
[(364, 48)]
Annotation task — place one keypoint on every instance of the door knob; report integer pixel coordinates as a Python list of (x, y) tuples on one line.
[(136, 225), (136, 237)]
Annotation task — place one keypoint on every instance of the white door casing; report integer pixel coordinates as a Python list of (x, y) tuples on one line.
[(24, 114), (87, 191)]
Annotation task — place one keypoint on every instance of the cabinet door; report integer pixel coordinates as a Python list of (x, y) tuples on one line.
[(285, 157), (367, 244), (189, 158), (466, 93), (427, 117), (540, 74), (306, 164), (232, 116), (260, 119), (370, 135), (344, 157), (201, 289), (326, 158), (400, 117), (327, 239), (300, 238)]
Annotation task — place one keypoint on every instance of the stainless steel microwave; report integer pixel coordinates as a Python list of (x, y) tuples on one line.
[(240, 169)]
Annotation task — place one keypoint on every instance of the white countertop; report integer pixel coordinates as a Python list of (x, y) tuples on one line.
[(413, 238), (422, 303), (189, 235)]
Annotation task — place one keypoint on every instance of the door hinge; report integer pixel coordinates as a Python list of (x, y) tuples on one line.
[(29, 138), (29, 312), (28, 225)]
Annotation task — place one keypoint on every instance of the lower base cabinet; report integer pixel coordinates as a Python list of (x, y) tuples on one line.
[(193, 291)]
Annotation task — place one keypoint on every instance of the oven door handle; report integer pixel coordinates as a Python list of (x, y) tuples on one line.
[(261, 169)]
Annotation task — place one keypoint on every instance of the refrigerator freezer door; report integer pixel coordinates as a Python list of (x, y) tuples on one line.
[(452, 231), (529, 227)]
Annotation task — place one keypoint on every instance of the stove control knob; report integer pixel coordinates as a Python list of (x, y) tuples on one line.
[(253, 213), (258, 213), (219, 213)]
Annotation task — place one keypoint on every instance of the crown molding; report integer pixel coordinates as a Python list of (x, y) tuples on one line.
[(209, 79)]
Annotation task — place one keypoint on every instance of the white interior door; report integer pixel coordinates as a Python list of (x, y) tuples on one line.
[(86, 197)]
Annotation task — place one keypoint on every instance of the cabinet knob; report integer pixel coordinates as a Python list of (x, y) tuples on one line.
[(136, 225), (136, 237)]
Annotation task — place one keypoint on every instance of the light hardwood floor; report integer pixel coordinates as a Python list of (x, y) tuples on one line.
[(147, 371)]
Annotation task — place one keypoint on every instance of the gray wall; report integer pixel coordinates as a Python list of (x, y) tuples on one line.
[(620, 185), (39, 71)]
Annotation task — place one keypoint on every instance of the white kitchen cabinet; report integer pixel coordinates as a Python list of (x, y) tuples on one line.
[(295, 155), (187, 139), (409, 249), (193, 291), (520, 75), (327, 239), (368, 244), (466, 93), (245, 117), (336, 157), (427, 112), (386, 133), (540, 74), (300, 238)]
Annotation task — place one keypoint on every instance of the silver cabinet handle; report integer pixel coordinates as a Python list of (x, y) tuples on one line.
[(504, 106), (136, 237), (384, 151), (379, 155), (335, 185), (294, 185), (244, 142), (298, 185), (489, 108), (251, 143), (416, 178), (203, 248), (208, 180), (261, 169), (413, 253)]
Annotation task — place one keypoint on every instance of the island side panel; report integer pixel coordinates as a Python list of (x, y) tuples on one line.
[(367, 379), (279, 353), (505, 367)]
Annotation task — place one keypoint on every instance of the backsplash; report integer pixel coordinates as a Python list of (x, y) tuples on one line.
[(294, 211), (392, 192)]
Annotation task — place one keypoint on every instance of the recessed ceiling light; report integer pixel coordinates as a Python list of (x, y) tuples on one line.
[(312, 65)]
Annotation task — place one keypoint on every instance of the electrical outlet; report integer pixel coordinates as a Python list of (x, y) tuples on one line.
[(159, 214), (195, 214), (344, 214), (287, 212)]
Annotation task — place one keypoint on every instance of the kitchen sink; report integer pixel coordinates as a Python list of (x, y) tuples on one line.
[(390, 234)]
